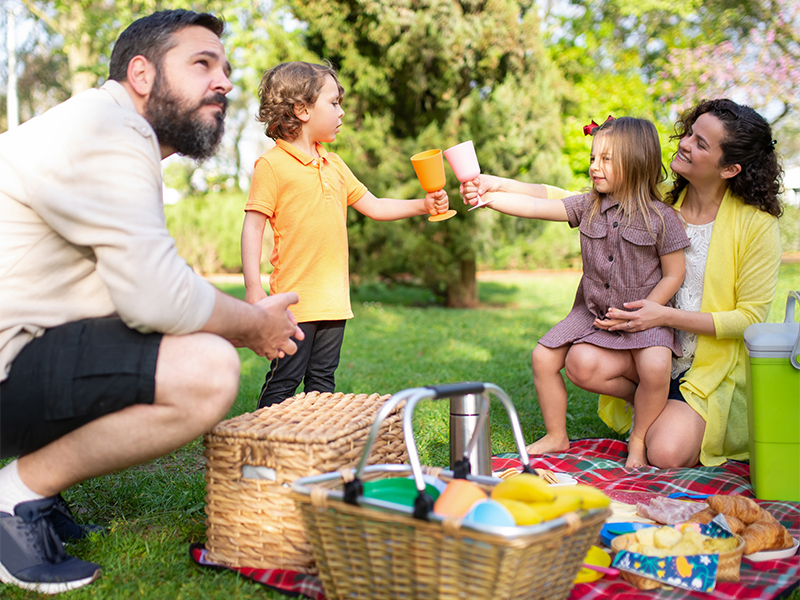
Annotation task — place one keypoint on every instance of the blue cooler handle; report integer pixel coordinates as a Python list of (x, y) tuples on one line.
[(794, 297)]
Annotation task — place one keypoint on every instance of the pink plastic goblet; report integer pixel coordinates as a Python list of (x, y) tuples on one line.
[(464, 162)]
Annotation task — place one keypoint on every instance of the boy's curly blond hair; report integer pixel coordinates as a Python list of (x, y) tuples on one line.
[(290, 86)]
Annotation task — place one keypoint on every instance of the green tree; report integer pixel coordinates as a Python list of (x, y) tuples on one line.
[(87, 30), (430, 74), (647, 58)]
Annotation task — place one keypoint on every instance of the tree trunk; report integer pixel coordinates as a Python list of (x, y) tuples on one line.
[(80, 56), (464, 292)]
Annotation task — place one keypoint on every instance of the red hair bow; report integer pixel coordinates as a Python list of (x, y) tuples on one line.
[(591, 128)]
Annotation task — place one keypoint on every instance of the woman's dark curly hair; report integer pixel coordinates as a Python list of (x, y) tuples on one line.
[(286, 87), (748, 142)]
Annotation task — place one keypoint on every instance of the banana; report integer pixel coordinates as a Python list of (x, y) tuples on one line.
[(521, 511), (525, 487), (590, 497), (556, 508)]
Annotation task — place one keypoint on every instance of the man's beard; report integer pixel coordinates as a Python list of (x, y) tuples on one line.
[(183, 129)]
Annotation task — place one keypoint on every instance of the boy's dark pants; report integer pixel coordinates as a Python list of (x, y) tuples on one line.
[(315, 362)]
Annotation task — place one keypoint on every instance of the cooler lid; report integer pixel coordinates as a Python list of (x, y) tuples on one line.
[(771, 340)]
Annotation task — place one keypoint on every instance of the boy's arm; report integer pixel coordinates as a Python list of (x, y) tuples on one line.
[(392, 209), (252, 234)]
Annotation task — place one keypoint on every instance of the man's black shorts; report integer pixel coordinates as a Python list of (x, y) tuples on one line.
[(71, 375)]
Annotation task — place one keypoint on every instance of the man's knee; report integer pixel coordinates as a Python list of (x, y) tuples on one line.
[(199, 371)]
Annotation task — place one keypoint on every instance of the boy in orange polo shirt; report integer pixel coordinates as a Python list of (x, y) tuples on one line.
[(304, 192)]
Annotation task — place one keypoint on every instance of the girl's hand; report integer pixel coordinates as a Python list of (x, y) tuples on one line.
[(482, 184), (641, 315), (254, 294), (436, 202), (607, 323)]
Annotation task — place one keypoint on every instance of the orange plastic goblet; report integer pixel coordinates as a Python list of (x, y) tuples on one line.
[(429, 167)]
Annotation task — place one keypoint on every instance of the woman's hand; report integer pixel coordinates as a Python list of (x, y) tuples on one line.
[(482, 184), (640, 315)]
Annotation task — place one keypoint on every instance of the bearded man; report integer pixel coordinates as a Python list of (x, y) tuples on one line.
[(112, 350)]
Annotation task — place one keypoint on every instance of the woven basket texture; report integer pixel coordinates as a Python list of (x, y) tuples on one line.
[(369, 554), (727, 569), (255, 522)]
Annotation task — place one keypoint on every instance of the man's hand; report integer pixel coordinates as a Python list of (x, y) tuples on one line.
[(254, 294), (265, 327), (275, 339)]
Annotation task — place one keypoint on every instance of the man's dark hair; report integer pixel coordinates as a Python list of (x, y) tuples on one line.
[(151, 37)]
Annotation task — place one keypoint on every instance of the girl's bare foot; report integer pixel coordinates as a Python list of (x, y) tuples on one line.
[(548, 444), (637, 453)]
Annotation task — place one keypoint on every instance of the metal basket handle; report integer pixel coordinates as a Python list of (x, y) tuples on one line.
[(424, 503), (791, 300)]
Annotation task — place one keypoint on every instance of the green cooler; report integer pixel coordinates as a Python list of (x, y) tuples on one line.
[(773, 406)]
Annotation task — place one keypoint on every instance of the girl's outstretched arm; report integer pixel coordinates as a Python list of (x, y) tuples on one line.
[(528, 207), (512, 197), (483, 184)]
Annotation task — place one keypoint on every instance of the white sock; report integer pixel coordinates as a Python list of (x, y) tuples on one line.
[(13, 490)]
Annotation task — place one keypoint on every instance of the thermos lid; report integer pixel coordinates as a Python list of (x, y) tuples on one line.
[(470, 404)]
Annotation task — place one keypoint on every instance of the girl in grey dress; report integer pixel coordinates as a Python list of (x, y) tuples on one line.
[(632, 248)]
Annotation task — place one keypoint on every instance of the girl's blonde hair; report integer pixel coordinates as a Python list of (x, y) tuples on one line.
[(636, 160), (288, 87)]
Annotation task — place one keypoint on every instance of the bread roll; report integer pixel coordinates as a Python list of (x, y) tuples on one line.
[(734, 524), (764, 535), (703, 517), (740, 507)]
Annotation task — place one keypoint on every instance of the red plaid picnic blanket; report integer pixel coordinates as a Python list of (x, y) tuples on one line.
[(601, 463)]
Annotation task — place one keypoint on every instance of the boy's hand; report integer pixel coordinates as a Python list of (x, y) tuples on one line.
[(254, 294), (436, 202), (482, 184)]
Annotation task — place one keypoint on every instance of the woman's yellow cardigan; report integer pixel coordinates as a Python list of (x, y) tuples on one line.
[(741, 276)]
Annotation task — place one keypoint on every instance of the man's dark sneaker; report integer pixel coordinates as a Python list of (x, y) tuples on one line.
[(32, 556), (64, 523)]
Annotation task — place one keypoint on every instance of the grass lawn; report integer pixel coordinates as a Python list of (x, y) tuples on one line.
[(396, 341)]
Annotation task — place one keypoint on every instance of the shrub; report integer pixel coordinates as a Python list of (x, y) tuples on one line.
[(207, 229)]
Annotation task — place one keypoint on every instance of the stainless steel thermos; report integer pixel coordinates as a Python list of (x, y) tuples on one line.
[(464, 414)]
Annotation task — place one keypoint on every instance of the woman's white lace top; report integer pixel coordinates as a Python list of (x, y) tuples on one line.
[(690, 294)]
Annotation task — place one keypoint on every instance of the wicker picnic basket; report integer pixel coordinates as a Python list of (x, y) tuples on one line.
[(251, 459), (373, 549)]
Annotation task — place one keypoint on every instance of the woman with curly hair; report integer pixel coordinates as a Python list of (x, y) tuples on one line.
[(726, 186), (727, 181)]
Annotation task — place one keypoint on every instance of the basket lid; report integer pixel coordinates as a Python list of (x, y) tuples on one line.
[(307, 418)]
